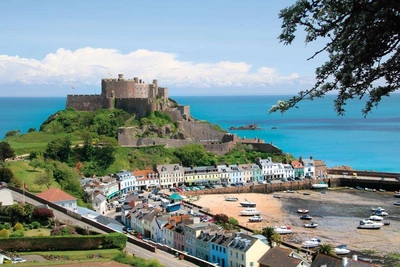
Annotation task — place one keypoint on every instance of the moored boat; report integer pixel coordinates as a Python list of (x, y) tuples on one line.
[(247, 204), (310, 225), (231, 199), (277, 196), (256, 218), (320, 185), (341, 250), (302, 211), (397, 195), (305, 217), (376, 218), (312, 243), (250, 212), (368, 224), (397, 203), (283, 229)]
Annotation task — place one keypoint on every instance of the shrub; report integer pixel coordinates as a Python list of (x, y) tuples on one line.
[(115, 240), (35, 225), (42, 213), (63, 230), (18, 227), (18, 233), (4, 233), (7, 226)]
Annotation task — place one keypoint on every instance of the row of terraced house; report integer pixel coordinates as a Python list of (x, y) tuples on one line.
[(175, 175)]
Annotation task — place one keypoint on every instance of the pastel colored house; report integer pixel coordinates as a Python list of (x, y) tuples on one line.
[(59, 197), (170, 175), (127, 182), (298, 168), (146, 179), (309, 166), (99, 203), (219, 248), (245, 250)]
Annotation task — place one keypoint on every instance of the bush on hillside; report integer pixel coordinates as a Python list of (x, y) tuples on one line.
[(19, 233), (18, 227), (4, 233)]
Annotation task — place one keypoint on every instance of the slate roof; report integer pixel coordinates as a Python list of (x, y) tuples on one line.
[(55, 195), (330, 261), (278, 257)]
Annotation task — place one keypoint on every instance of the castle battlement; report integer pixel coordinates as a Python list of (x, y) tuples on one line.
[(131, 95)]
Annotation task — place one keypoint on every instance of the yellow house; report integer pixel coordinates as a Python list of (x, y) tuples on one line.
[(245, 251)]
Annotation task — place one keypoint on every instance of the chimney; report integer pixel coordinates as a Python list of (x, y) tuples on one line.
[(120, 77), (344, 261), (311, 157)]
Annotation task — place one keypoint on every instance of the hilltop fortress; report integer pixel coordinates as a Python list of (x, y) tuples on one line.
[(140, 98)]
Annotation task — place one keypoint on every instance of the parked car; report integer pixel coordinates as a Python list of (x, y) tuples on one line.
[(17, 260)]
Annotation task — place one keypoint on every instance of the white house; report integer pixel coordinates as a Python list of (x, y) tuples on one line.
[(127, 181)]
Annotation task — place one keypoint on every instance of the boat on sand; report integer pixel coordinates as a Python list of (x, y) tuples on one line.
[(283, 229), (231, 199), (310, 225), (250, 212), (302, 211), (312, 243), (247, 204), (341, 250), (320, 185)]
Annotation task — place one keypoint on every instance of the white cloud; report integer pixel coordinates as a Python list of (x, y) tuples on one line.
[(87, 66)]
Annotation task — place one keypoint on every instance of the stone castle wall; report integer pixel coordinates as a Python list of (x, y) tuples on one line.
[(139, 106), (85, 102), (202, 131)]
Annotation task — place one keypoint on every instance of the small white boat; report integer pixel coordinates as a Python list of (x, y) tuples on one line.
[(305, 217), (397, 195), (302, 211), (380, 213), (250, 212), (247, 204), (231, 199), (397, 203), (320, 185), (277, 196), (256, 218), (377, 209), (341, 250), (310, 225), (283, 229), (376, 218), (368, 224), (312, 243)]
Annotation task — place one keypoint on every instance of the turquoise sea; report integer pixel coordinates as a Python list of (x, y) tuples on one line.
[(313, 129)]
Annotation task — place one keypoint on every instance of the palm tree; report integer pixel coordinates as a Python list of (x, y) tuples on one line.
[(268, 232), (326, 249), (277, 239)]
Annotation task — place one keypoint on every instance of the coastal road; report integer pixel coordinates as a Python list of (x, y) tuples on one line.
[(164, 258)]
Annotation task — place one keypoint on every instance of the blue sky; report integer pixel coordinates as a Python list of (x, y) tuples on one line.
[(192, 47)]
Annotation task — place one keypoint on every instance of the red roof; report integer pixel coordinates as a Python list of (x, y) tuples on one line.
[(55, 195)]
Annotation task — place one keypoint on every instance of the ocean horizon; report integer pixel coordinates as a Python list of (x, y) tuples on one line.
[(313, 129)]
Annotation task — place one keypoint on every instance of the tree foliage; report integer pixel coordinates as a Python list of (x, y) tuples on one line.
[(6, 151), (195, 155), (362, 40), (221, 218), (59, 149)]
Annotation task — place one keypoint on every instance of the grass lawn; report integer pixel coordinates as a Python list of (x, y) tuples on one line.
[(36, 232), (75, 256), (24, 172)]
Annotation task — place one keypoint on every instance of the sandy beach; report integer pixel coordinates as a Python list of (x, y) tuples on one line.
[(337, 212)]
